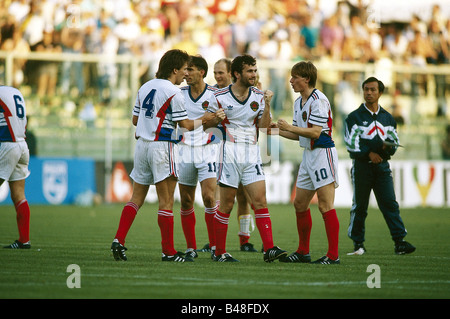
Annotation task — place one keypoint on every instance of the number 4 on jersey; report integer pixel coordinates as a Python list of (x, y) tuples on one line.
[(148, 104)]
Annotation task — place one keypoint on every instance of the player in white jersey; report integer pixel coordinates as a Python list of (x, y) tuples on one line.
[(14, 158), (247, 109), (197, 156), (312, 126), (222, 75), (159, 108)]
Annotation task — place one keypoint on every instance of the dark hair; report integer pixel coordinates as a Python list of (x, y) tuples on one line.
[(200, 63), (306, 69), (237, 65), (171, 60), (227, 63), (374, 79)]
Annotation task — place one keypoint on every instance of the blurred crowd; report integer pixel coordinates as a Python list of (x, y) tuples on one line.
[(280, 30)]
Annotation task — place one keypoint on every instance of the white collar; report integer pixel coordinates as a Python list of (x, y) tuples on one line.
[(372, 113)]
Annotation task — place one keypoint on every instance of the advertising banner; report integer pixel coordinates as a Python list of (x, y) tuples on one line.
[(56, 181)]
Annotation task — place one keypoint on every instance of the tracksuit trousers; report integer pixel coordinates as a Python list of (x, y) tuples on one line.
[(366, 177)]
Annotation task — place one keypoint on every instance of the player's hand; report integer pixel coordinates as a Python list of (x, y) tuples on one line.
[(268, 94), (220, 115), (283, 125), (272, 126)]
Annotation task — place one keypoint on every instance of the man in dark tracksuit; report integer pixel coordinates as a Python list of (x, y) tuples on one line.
[(371, 139)]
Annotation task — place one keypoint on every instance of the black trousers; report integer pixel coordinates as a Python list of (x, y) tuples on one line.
[(377, 177)]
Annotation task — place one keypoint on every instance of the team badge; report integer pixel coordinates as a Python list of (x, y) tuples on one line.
[(254, 106), (304, 116), (205, 105)]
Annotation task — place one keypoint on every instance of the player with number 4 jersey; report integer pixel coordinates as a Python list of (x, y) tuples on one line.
[(158, 110)]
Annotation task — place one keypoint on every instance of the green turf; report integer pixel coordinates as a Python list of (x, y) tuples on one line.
[(66, 235)]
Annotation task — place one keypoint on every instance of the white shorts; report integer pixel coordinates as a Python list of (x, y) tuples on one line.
[(239, 163), (197, 163), (318, 168), (154, 162), (14, 160)]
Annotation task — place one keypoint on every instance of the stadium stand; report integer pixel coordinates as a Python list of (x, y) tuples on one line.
[(79, 63)]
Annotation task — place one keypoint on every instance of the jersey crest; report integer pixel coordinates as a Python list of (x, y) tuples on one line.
[(254, 106)]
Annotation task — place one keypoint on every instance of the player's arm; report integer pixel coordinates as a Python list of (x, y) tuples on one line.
[(188, 124), (210, 119), (213, 115), (289, 131), (266, 119), (135, 120)]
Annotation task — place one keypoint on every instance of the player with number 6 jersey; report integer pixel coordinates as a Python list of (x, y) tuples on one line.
[(14, 158)]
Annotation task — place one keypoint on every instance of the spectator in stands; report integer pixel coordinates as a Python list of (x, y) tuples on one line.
[(72, 42), (17, 44), (439, 54), (47, 71), (127, 31), (107, 44), (396, 44)]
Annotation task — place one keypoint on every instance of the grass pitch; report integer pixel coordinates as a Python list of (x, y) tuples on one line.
[(66, 235)]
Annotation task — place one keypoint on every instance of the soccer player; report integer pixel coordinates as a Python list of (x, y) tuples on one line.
[(371, 139), (158, 108), (222, 75), (14, 158), (247, 109), (198, 153), (312, 126)]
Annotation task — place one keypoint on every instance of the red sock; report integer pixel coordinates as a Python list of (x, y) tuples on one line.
[(188, 225), (264, 224), (220, 231), (304, 225), (126, 220), (209, 219), (332, 229), (243, 239), (23, 220), (165, 223)]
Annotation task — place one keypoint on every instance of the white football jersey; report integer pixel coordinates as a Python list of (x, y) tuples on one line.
[(195, 109), (241, 122), (316, 111), (13, 119), (159, 105)]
